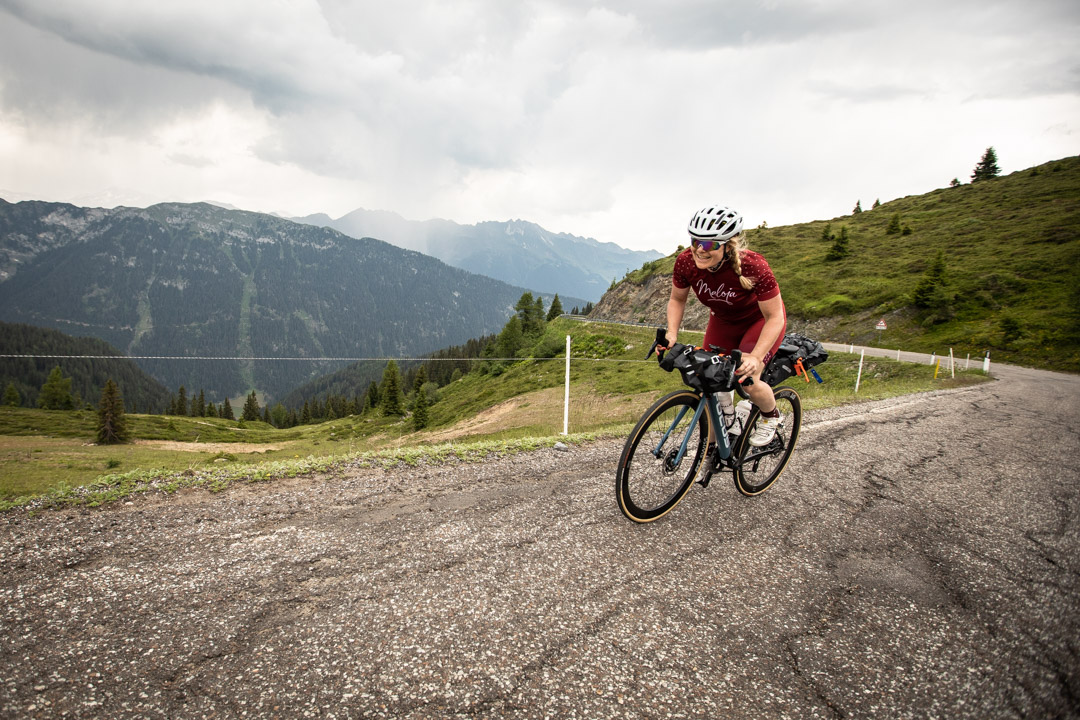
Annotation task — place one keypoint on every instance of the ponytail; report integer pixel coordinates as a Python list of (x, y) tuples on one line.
[(733, 250)]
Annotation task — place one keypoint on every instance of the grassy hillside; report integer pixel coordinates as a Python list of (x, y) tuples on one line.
[(1011, 250), (518, 403)]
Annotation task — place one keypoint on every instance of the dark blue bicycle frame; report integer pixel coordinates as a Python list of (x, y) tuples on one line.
[(723, 448)]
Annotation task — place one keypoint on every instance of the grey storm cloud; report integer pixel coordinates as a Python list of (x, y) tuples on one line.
[(605, 112)]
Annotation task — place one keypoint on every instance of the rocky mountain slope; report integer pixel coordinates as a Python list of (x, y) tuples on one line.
[(199, 280)]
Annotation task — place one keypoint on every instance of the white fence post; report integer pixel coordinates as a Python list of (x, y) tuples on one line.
[(952, 363), (566, 395), (859, 376), (986, 362)]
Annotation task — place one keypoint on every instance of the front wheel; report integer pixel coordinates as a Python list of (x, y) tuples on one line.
[(756, 468), (661, 457)]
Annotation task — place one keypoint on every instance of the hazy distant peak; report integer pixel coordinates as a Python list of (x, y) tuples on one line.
[(515, 251)]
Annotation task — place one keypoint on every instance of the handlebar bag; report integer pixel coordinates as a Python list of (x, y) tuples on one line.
[(700, 369)]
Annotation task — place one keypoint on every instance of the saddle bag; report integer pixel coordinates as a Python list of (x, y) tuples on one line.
[(797, 353)]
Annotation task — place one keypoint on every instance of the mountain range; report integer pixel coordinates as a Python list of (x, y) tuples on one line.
[(517, 252), (196, 280)]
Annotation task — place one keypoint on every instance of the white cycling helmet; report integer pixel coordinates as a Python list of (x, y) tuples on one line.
[(716, 222)]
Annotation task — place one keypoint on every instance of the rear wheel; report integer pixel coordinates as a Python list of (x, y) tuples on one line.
[(757, 468), (654, 470)]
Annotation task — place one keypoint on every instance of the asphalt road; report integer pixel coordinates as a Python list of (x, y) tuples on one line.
[(919, 558)]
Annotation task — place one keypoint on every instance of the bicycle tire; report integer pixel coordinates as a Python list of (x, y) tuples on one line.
[(757, 468), (647, 484)]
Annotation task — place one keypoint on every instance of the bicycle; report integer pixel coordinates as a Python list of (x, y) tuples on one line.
[(664, 451)]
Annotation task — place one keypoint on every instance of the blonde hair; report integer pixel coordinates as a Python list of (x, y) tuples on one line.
[(733, 251)]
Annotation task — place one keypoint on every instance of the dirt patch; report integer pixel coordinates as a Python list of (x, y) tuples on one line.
[(235, 448), (494, 418)]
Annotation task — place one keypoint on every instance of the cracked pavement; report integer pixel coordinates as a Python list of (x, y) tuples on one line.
[(918, 558)]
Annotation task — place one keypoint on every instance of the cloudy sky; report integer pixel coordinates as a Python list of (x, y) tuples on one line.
[(614, 120)]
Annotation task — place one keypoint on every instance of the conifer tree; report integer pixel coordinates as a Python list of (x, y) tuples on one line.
[(894, 225), (251, 408), (827, 234), (305, 414), (392, 399), (840, 249), (556, 308), (858, 207), (1011, 329), (987, 167), (530, 313), (181, 402), (266, 415), (371, 399), (420, 409), (877, 204), (198, 405), (56, 392), (510, 339), (12, 398), (112, 424), (929, 293), (420, 379), (227, 411)]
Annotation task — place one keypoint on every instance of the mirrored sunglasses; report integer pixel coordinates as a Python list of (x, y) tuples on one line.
[(707, 245)]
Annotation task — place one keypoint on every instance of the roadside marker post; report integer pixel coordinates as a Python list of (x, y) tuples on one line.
[(859, 376), (566, 395)]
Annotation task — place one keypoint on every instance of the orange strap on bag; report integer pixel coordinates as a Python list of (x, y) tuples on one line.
[(800, 370)]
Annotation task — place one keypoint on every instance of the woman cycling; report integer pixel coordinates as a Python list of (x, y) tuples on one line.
[(745, 308)]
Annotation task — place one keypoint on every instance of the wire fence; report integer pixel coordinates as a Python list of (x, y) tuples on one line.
[(951, 364)]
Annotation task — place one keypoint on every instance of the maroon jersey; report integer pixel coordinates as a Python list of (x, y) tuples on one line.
[(721, 291)]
